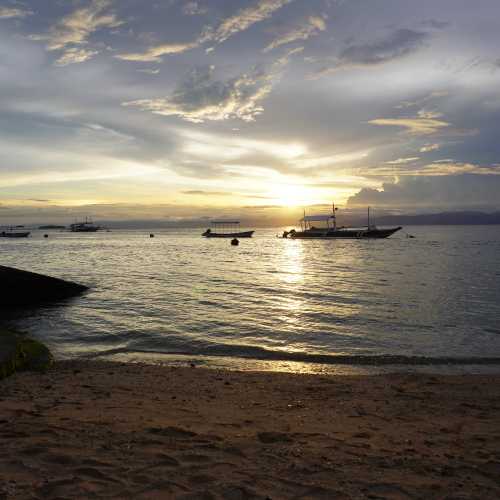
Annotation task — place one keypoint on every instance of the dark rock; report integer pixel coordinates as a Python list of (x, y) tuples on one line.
[(23, 288)]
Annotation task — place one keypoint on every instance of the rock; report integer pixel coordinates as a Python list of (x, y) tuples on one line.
[(23, 288), (20, 352)]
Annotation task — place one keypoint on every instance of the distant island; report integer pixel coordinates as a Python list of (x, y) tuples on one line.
[(442, 218), (51, 227)]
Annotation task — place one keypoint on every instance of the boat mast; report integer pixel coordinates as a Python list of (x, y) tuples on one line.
[(368, 217), (334, 217)]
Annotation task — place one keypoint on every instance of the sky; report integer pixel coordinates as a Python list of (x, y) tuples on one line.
[(170, 109)]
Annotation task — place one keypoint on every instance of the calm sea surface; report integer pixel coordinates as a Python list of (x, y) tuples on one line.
[(437, 295)]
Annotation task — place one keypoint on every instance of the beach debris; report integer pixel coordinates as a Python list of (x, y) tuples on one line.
[(24, 288)]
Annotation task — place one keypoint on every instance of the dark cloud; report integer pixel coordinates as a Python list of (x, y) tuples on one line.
[(395, 45), (459, 191), (201, 97), (435, 24)]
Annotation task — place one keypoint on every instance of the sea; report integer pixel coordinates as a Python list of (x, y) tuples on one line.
[(431, 302)]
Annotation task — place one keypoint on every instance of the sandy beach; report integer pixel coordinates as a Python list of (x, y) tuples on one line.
[(114, 430)]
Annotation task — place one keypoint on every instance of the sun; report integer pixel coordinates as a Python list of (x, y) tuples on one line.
[(292, 195)]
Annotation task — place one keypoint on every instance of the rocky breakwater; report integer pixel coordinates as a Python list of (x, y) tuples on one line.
[(22, 288)]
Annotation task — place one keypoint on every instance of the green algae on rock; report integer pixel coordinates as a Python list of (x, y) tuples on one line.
[(19, 352)]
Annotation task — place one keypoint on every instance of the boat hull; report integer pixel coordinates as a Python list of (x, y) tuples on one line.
[(242, 234), (344, 233), (23, 234)]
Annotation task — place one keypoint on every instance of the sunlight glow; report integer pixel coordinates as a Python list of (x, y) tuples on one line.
[(291, 195)]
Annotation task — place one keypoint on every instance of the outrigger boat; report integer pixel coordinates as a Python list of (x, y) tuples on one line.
[(12, 233), (226, 229), (330, 229), (84, 227)]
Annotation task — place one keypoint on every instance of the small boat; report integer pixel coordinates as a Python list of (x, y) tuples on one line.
[(226, 229), (84, 227), (330, 229), (13, 233)]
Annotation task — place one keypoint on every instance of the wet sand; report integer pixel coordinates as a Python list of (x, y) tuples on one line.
[(92, 430)]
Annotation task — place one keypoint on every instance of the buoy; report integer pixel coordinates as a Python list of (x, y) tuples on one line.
[(235, 242), (151, 235), (45, 235)]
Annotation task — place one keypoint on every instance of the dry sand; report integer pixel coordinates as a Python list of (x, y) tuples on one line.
[(93, 430)]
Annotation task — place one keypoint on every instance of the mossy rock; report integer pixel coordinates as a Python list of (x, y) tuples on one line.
[(20, 352)]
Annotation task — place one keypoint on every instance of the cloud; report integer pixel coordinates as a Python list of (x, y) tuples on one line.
[(74, 55), (435, 24), (201, 98), (420, 102), (194, 9), (14, 12), (206, 193), (241, 21), (149, 71), (426, 148), (396, 45), (312, 26), (403, 161), (446, 167), (76, 28), (425, 123), (326, 161), (457, 191), (228, 27), (155, 53)]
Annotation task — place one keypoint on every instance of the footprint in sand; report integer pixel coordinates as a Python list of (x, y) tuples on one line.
[(274, 437), (172, 432), (91, 472)]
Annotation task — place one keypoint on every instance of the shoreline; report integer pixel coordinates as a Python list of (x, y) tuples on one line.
[(126, 430), (324, 364)]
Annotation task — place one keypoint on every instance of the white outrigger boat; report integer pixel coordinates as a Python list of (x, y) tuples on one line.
[(14, 233), (226, 229), (84, 227), (329, 228)]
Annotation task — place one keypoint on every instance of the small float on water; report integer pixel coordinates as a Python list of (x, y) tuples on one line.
[(329, 229), (226, 229)]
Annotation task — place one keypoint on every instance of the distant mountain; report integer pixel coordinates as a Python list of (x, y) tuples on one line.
[(345, 217), (443, 218)]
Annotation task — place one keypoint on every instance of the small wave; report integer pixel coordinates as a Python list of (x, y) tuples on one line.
[(260, 354)]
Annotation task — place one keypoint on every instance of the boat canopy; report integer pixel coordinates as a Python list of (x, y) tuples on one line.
[(311, 218)]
